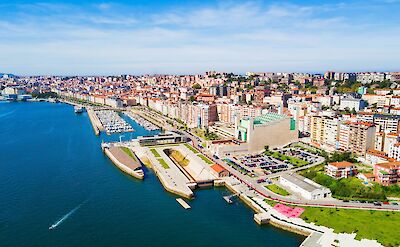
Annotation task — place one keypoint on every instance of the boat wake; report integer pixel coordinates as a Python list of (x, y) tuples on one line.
[(66, 216)]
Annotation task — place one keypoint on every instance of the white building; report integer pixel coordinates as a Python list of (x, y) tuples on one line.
[(305, 187), (394, 151), (350, 103)]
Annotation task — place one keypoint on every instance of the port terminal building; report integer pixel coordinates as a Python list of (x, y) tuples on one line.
[(170, 137)]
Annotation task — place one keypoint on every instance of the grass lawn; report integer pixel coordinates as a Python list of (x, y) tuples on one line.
[(191, 148), (379, 225), (178, 157), (163, 163), (277, 190), (205, 159), (127, 151), (155, 153), (270, 202), (292, 160)]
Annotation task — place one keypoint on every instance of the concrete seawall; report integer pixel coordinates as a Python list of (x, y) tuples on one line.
[(94, 121), (121, 166), (166, 185), (261, 216)]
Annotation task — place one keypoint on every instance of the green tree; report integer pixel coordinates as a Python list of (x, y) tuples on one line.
[(196, 86)]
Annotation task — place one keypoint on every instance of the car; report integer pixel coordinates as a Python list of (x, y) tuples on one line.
[(377, 204), (395, 203)]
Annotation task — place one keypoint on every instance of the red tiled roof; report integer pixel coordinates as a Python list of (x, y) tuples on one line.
[(341, 164), (218, 168)]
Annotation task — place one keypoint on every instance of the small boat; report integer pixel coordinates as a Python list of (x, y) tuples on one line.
[(52, 227), (78, 109)]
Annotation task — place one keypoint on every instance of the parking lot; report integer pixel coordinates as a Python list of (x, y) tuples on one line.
[(300, 154), (266, 163)]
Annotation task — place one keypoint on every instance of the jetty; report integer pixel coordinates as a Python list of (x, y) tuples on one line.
[(94, 121), (228, 199), (127, 162), (183, 203)]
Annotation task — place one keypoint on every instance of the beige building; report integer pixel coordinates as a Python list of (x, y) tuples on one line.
[(273, 130), (357, 137), (324, 131)]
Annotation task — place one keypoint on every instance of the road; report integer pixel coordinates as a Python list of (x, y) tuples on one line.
[(252, 183)]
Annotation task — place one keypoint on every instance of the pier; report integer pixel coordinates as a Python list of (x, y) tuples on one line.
[(94, 121), (184, 204), (228, 199)]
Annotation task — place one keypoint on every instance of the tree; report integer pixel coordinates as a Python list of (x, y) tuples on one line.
[(196, 86)]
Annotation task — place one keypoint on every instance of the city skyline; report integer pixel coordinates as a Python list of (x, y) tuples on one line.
[(167, 37)]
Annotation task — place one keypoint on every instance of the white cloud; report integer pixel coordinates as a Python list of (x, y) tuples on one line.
[(232, 37)]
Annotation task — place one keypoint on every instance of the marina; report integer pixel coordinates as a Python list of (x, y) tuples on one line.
[(142, 122), (112, 122)]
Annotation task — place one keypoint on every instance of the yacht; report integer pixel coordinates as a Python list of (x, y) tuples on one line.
[(78, 109)]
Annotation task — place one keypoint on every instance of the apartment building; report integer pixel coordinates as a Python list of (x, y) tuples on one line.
[(387, 173), (201, 115), (339, 170), (394, 151), (357, 137), (350, 103), (387, 123), (227, 113), (324, 130)]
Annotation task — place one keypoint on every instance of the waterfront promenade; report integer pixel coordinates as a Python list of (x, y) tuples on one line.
[(266, 214), (168, 173)]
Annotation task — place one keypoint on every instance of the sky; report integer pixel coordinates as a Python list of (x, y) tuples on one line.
[(73, 37)]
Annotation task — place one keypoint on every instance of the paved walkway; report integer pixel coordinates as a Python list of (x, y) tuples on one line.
[(319, 235), (172, 178)]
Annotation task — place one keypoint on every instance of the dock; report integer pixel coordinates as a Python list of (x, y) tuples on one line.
[(183, 203)]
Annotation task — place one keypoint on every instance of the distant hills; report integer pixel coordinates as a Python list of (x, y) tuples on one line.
[(9, 75)]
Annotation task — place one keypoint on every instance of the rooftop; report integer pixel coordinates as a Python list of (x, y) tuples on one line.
[(269, 117), (302, 182), (342, 164)]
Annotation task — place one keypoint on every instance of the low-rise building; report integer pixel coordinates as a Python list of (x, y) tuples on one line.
[(375, 156), (305, 187), (342, 169), (219, 171), (387, 173), (170, 137)]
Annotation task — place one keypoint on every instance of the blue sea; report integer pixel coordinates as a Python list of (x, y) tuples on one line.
[(52, 171)]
